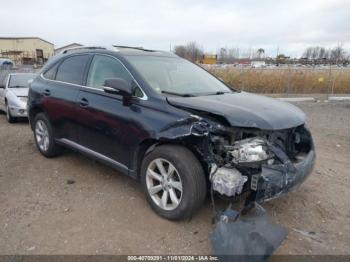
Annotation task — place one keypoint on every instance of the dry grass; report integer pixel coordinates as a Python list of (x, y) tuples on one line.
[(286, 80)]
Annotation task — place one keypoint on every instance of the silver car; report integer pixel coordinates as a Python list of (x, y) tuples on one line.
[(13, 95)]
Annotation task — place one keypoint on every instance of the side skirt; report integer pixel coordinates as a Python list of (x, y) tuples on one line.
[(97, 156)]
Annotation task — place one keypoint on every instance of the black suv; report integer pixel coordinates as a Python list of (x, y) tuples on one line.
[(170, 124)]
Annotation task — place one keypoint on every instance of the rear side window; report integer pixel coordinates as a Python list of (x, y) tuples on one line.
[(51, 73), (105, 67), (72, 69)]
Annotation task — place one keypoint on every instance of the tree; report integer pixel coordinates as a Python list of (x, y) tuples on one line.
[(335, 54), (191, 51), (261, 53), (338, 54), (281, 59), (228, 55), (180, 50), (194, 51)]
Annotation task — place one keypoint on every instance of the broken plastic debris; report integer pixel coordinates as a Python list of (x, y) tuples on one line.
[(228, 181), (253, 234)]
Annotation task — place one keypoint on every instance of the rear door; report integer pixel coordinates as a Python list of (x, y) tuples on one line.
[(61, 92), (106, 124)]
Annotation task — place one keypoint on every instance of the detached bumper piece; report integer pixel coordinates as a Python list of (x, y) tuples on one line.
[(276, 180), (249, 237)]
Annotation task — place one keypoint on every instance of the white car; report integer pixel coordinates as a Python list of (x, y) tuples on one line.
[(14, 94)]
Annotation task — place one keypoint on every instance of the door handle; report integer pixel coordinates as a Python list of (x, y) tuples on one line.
[(84, 102), (46, 92)]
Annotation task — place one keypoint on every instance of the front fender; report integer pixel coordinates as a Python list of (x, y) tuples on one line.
[(13, 100)]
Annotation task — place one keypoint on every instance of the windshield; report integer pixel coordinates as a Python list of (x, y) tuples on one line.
[(20, 81), (177, 76)]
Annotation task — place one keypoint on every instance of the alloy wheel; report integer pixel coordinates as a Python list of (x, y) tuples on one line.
[(164, 184), (42, 135)]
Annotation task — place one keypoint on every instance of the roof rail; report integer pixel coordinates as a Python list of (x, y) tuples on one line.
[(133, 47), (82, 48)]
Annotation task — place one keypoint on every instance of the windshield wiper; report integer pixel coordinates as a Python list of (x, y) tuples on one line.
[(219, 93), (176, 94)]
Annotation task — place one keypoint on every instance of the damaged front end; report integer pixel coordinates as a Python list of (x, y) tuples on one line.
[(266, 163)]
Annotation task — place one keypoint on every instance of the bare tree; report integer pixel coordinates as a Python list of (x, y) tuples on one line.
[(222, 57), (194, 51), (322, 53), (190, 51), (338, 54), (334, 55), (261, 53), (228, 55), (180, 50), (307, 53)]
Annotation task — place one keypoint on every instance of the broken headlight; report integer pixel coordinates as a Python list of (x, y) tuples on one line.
[(250, 150)]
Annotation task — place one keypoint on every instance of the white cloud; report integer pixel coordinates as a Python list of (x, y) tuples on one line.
[(291, 25)]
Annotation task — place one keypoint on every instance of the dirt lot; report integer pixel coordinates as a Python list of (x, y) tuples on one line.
[(105, 213)]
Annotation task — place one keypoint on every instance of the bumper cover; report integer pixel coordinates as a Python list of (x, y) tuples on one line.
[(277, 180), (18, 111)]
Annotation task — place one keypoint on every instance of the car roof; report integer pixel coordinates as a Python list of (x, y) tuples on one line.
[(116, 51), (119, 50), (15, 74)]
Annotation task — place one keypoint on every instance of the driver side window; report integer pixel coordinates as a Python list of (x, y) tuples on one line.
[(105, 67)]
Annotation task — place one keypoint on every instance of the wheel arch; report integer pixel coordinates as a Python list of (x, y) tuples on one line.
[(148, 145), (32, 113)]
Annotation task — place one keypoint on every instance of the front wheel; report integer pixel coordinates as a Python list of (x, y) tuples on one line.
[(9, 117), (44, 136), (173, 181)]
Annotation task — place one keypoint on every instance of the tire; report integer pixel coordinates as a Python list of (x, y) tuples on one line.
[(188, 172), (43, 128), (9, 118)]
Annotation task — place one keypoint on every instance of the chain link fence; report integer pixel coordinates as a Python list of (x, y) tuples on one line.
[(286, 80)]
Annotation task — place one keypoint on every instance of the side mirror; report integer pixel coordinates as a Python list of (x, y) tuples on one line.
[(117, 86)]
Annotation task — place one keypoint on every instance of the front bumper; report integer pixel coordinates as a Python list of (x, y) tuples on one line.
[(277, 180), (18, 111)]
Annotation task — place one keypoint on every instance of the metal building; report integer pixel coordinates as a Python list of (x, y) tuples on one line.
[(26, 50)]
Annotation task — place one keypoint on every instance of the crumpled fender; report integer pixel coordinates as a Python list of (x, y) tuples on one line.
[(194, 127)]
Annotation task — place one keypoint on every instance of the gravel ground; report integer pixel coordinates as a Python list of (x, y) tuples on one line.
[(73, 205)]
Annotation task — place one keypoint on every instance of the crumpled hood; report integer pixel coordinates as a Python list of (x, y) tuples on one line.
[(20, 91), (243, 109)]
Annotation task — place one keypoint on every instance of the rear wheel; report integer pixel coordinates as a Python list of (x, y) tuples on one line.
[(44, 136), (174, 182), (9, 118)]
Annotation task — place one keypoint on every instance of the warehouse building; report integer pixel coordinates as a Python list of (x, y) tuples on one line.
[(26, 50), (63, 48)]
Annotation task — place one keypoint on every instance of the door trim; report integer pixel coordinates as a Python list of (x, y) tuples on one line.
[(94, 154)]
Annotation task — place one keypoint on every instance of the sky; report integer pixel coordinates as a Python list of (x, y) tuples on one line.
[(286, 26)]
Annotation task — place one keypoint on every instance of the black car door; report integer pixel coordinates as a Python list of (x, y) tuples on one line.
[(107, 127), (63, 82)]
